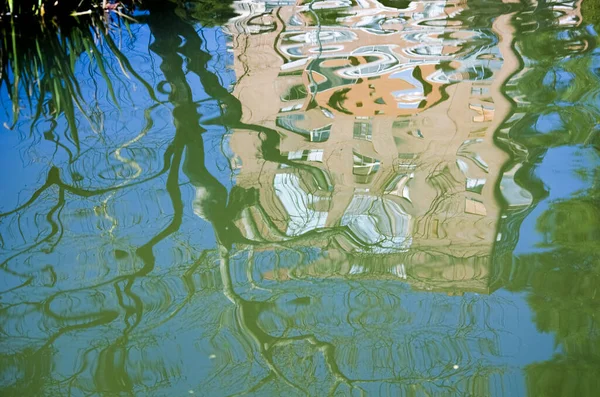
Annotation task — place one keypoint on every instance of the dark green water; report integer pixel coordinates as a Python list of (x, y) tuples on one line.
[(341, 198)]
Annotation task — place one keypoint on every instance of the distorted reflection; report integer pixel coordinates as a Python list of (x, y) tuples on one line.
[(392, 113), (313, 197)]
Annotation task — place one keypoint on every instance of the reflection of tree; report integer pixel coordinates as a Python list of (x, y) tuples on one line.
[(562, 279), (186, 152), (267, 345), (563, 293), (110, 363), (552, 91), (212, 199), (207, 12), (554, 108), (559, 307), (37, 70), (395, 3), (590, 11)]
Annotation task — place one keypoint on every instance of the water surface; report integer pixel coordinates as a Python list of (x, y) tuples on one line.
[(311, 198)]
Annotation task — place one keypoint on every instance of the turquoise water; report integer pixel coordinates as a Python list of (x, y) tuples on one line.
[(309, 198)]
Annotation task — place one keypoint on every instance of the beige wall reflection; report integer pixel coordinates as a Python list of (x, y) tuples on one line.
[(395, 111)]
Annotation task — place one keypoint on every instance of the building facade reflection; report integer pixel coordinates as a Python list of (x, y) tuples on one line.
[(388, 118)]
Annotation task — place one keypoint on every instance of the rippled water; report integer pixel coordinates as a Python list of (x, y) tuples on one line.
[(338, 197)]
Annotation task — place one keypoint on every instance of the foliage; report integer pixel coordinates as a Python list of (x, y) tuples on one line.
[(211, 12), (38, 57), (590, 10), (45, 8), (37, 67), (400, 4)]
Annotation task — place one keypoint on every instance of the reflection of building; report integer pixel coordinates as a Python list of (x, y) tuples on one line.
[(387, 121)]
